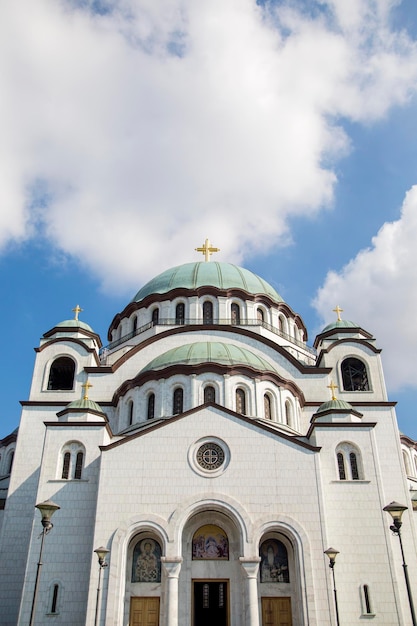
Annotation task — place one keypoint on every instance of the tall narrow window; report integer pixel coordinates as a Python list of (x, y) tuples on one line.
[(134, 324), (208, 312), (406, 463), (240, 401), (367, 599), (354, 466), (260, 315), (54, 602), (180, 313), (341, 466), (61, 374), (209, 394), (267, 407), (235, 311), (66, 465), (130, 413), (78, 465), (354, 375), (281, 325), (288, 413), (177, 403), (155, 316), (151, 406)]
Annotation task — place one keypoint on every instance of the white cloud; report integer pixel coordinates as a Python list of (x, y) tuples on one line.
[(377, 290), (129, 136)]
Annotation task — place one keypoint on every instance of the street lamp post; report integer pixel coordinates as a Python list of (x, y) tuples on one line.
[(47, 509), (332, 553), (396, 511), (101, 554)]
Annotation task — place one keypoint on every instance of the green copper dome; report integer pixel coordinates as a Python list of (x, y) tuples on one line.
[(202, 274), (85, 404), (339, 324), (74, 324), (209, 352), (335, 405)]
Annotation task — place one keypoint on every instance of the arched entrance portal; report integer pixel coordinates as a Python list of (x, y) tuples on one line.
[(211, 577)]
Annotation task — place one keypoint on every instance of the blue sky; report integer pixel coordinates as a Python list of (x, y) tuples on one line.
[(287, 137)]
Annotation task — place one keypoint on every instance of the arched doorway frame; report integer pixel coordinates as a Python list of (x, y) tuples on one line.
[(296, 536)]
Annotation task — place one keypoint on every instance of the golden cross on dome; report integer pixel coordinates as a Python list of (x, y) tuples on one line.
[(207, 249), (77, 310), (332, 386), (338, 310), (86, 387)]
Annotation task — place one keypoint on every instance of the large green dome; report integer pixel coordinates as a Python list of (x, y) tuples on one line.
[(209, 352), (202, 274)]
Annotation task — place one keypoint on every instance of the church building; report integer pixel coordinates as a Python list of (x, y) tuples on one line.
[(208, 466)]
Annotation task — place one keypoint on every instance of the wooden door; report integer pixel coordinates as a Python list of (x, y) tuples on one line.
[(144, 612), (276, 612)]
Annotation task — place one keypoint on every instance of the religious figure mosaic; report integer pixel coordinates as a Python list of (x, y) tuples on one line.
[(146, 567), (210, 542), (274, 562)]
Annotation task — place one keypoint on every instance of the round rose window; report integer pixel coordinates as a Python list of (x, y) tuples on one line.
[(210, 456)]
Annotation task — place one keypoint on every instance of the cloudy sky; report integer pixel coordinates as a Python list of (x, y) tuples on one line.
[(285, 131)]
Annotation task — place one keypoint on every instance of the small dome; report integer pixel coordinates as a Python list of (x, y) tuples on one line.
[(335, 405), (74, 324), (339, 324), (209, 352), (201, 274), (85, 405)]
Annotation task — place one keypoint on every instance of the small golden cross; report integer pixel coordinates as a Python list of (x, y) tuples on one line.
[(76, 311), (338, 310), (86, 387), (207, 249), (332, 386)]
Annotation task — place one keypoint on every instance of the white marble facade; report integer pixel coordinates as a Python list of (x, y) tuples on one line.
[(212, 422)]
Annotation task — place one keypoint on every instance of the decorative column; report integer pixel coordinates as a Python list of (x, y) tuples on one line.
[(172, 567), (250, 567)]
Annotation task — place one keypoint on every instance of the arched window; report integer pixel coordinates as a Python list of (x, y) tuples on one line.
[(146, 562), (349, 462), (341, 466), (66, 465), (354, 375), (61, 374), (130, 412), (79, 460), (267, 407), (10, 462), (260, 315), (134, 324), (235, 313), (288, 413), (406, 463), (151, 406), (180, 313), (72, 461), (354, 466), (207, 312), (281, 325), (240, 401), (155, 316), (209, 394), (274, 562), (177, 401)]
